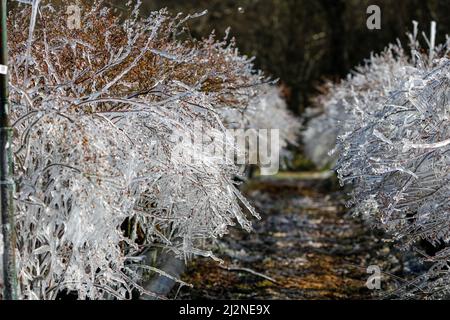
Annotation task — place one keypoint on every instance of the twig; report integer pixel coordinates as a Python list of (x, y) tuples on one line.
[(234, 268)]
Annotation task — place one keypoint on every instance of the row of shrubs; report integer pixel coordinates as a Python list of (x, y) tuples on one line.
[(386, 131), (97, 114)]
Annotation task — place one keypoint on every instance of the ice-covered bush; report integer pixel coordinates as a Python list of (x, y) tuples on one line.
[(399, 160), (103, 172), (352, 100), (398, 163), (267, 110), (393, 149)]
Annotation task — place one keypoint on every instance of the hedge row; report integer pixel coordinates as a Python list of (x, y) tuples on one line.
[(103, 174)]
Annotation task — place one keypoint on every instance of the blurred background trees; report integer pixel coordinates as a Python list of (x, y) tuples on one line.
[(303, 42)]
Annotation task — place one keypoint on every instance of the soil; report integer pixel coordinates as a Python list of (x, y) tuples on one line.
[(306, 246)]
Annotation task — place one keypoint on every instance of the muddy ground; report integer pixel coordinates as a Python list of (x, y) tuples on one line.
[(306, 246)]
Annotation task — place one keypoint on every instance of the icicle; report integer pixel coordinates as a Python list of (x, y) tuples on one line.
[(28, 58)]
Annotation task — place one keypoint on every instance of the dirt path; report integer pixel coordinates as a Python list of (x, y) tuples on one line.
[(305, 241)]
